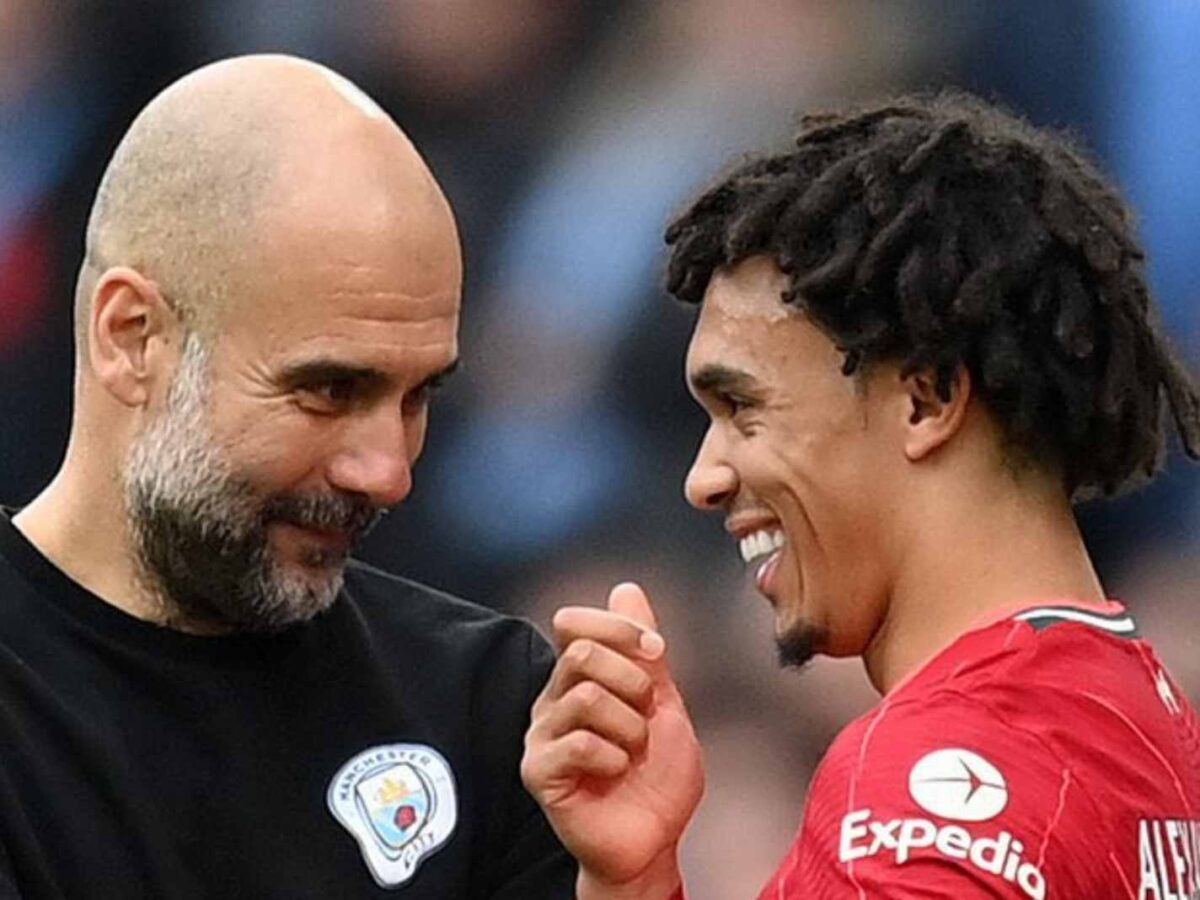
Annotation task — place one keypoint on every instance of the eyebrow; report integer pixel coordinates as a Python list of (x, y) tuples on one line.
[(715, 378), (318, 370)]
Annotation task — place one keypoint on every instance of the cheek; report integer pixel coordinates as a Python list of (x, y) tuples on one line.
[(831, 504), (817, 469), (276, 447), (849, 568)]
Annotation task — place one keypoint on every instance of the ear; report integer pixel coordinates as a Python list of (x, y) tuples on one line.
[(934, 417), (130, 323)]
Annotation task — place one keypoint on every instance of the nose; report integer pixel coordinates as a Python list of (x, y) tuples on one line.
[(711, 482), (375, 460)]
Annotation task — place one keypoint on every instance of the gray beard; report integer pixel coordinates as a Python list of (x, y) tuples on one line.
[(199, 530)]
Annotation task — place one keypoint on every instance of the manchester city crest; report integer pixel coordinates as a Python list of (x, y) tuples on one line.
[(399, 803)]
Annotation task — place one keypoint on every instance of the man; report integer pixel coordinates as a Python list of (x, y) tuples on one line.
[(200, 696), (923, 331)]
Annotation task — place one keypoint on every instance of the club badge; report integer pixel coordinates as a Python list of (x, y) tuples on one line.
[(399, 802)]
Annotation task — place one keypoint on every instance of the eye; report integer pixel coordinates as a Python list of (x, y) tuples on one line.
[(740, 411), (735, 404), (330, 395)]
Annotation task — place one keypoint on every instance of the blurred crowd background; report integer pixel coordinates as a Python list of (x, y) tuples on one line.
[(565, 132)]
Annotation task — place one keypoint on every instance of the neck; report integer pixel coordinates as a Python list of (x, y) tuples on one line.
[(980, 555), (78, 523)]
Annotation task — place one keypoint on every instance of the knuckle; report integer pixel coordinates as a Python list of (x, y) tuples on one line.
[(528, 772), (588, 694), (533, 768), (533, 733), (579, 653), (582, 746), (643, 686)]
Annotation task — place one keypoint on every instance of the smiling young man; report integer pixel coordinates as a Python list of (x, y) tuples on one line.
[(201, 695), (923, 332)]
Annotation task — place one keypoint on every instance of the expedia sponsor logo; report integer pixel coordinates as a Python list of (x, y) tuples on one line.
[(958, 784), (1000, 854), (1169, 859)]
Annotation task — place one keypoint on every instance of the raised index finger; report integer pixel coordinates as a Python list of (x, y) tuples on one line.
[(606, 627)]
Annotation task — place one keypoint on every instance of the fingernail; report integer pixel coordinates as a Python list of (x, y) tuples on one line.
[(651, 644)]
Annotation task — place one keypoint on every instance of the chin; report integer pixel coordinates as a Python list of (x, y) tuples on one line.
[(798, 643)]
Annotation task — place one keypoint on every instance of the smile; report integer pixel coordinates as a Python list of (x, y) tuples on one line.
[(758, 544)]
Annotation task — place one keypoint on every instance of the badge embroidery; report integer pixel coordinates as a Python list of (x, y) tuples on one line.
[(399, 802)]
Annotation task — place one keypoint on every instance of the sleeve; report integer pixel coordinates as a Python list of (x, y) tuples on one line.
[(940, 799), (529, 860)]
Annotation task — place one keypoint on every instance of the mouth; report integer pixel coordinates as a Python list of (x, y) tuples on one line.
[(760, 551), (332, 543)]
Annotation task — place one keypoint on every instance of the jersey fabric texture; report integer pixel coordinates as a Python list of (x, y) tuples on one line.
[(373, 751), (1045, 755)]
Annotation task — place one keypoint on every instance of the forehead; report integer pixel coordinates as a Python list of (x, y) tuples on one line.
[(372, 280), (747, 340), (745, 325)]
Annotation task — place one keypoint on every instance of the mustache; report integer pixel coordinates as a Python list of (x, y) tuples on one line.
[(350, 513)]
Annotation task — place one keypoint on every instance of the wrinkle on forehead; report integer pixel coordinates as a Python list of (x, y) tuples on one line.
[(346, 312), (357, 332), (397, 305), (381, 331)]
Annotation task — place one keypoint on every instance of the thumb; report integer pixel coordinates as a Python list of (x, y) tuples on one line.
[(629, 600)]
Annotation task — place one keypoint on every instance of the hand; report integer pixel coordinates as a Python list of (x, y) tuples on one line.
[(611, 754)]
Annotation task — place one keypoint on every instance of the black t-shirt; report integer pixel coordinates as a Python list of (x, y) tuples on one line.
[(370, 752)]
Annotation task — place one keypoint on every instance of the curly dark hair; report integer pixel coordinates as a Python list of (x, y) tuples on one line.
[(939, 231)]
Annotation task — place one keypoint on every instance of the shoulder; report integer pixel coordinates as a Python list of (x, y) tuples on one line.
[(883, 758), (937, 795), (1003, 767), (1082, 685), (401, 600), (1038, 695), (428, 620), (1061, 675)]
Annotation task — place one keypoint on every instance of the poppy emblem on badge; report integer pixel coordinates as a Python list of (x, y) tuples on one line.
[(398, 801)]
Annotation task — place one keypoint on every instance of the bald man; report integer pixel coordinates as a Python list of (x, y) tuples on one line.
[(200, 694)]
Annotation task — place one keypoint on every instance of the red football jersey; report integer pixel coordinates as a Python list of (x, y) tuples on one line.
[(1048, 754)]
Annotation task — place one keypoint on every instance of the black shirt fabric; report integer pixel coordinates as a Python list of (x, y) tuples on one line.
[(137, 761)]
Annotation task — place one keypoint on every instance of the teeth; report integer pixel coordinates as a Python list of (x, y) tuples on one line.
[(760, 543)]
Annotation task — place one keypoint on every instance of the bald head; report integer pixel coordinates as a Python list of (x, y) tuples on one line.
[(272, 285), (203, 172)]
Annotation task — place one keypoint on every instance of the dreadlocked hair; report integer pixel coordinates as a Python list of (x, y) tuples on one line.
[(940, 231)]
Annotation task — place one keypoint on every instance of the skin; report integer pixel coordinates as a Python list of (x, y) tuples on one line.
[(327, 320), (904, 526)]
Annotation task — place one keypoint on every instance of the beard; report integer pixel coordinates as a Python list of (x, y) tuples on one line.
[(199, 527), (799, 644)]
